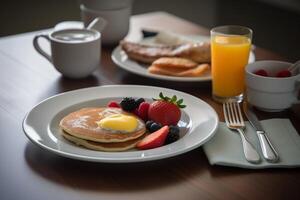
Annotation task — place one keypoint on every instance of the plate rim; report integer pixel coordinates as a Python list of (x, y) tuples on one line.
[(119, 160)]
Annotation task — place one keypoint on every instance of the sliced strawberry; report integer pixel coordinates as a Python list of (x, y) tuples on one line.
[(143, 110), (154, 140), (261, 72), (284, 73), (113, 104)]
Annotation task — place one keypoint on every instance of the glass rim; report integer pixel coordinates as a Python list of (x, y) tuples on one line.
[(217, 30)]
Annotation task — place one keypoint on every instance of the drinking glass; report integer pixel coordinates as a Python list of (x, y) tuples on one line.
[(230, 48)]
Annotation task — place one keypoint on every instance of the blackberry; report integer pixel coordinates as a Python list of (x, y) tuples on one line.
[(128, 104), (174, 129), (173, 135), (139, 101)]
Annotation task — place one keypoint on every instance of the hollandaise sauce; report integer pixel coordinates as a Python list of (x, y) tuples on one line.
[(119, 122)]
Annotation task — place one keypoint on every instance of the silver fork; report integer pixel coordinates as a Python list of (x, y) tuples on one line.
[(234, 121)]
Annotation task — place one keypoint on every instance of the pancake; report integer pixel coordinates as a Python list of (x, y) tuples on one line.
[(197, 52), (181, 63), (111, 147), (82, 124), (194, 72)]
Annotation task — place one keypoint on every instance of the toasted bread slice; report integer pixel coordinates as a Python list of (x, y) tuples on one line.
[(194, 72), (175, 63), (164, 70)]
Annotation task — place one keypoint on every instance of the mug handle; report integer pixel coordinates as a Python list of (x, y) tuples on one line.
[(38, 47)]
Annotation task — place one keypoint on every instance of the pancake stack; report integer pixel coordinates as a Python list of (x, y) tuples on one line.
[(81, 128)]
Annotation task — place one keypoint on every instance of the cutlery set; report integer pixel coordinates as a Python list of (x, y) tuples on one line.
[(234, 121)]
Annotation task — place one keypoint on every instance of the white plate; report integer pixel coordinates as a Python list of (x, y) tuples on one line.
[(121, 59), (41, 125)]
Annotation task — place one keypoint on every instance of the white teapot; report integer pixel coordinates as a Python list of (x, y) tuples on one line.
[(115, 12)]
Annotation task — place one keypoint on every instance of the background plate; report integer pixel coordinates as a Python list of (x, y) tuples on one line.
[(121, 59)]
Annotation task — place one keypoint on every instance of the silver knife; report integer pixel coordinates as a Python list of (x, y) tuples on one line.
[(268, 150)]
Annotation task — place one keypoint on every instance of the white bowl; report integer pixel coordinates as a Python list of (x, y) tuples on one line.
[(271, 94)]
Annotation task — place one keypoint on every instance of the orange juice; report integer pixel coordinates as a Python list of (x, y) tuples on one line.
[(230, 55)]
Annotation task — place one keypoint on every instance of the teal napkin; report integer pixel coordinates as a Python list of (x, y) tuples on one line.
[(225, 148)]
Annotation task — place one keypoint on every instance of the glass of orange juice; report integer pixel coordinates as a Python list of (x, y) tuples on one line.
[(230, 48)]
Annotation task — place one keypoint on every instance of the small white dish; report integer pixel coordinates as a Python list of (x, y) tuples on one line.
[(198, 123), (121, 59), (271, 94)]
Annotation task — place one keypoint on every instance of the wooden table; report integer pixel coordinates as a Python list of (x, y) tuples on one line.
[(27, 172)]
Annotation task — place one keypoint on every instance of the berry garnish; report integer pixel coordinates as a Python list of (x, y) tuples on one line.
[(148, 124), (154, 140), (166, 110), (128, 104), (174, 129), (143, 110), (284, 73), (139, 101), (173, 135), (136, 112), (154, 127), (261, 72), (113, 104)]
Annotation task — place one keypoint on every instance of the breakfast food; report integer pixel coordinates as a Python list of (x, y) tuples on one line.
[(173, 134), (184, 60), (111, 147), (123, 125), (154, 140), (281, 74), (165, 110), (261, 72), (153, 126), (198, 52), (142, 110), (128, 104), (177, 63), (284, 73), (177, 67), (113, 104), (197, 71), (92, 127)]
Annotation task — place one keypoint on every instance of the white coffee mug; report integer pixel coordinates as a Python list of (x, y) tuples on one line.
[(117, 22), (74, 52), (271, 94)]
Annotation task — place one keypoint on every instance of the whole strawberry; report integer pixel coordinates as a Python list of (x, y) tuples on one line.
[(165, 110)]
